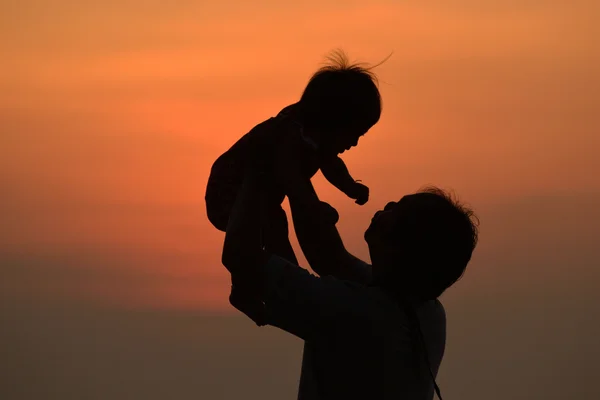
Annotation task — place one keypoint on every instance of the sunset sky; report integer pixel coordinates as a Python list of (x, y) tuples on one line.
[(112, 112)]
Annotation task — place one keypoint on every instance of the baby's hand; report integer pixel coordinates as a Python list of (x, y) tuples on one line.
[(360, 193)]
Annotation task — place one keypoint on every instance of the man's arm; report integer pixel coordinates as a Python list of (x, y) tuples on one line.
[(295, 301), (314, 309), (315, 228), (322, 244)]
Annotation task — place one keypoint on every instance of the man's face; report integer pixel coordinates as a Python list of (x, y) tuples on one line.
[(385, 226), (384, 220), (401, 212), (377, 235)]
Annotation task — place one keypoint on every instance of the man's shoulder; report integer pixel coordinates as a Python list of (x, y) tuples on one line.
[(439, 309), (360, 270), (433, 309)]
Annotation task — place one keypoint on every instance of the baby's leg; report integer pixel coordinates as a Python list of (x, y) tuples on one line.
[(221, 191), (219, 203)]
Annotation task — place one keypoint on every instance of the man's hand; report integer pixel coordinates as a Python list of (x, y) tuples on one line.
[(328, 214), (359, 192)]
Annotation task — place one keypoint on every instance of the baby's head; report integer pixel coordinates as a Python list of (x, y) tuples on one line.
[(340, 103)]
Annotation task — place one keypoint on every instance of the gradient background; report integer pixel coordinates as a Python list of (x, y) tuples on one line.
[(112, 112)]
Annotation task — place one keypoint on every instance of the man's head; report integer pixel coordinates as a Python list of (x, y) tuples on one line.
[(421, 245), (340, 103)]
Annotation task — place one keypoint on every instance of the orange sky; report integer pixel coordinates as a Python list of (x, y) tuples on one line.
[(111, 114)]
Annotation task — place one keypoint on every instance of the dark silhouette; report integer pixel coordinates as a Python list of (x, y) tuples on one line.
[(371, 331), (340, 103)]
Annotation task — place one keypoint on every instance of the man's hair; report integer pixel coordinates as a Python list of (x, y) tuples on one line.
[(438, 236), (341, 95)]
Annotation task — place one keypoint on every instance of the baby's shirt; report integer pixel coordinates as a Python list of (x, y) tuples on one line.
[(286, 113), (308, 140)]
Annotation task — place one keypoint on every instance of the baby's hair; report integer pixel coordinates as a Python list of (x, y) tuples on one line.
[(337, 60), (342, 94)]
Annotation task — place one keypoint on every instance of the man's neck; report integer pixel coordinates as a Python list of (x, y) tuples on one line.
[(401, 294)]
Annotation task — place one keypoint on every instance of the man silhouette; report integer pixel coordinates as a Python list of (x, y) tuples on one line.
[(371, 331)]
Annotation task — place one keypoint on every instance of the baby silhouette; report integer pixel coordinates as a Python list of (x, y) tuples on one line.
[(340, 103)]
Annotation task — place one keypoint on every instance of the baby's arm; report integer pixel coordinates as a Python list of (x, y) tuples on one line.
[(336, 172)]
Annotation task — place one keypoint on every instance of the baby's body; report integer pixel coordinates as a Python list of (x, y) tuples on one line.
[(227, 175), (339, 104), (228, 170)]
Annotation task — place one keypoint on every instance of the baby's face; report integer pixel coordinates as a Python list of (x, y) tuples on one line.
[(346, 140)]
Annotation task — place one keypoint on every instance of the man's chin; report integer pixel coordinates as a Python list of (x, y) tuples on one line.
[(368, 234), (372, 226)]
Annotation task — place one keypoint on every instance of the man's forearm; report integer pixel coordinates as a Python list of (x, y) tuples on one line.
[(318, 237), (322, 244), (301, 190)]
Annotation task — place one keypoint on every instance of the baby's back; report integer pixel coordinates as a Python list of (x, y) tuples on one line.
[(226, 174), (264, 136)]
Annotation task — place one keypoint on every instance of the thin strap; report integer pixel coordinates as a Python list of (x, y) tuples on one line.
[(435, 386), (412, 314)]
